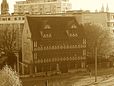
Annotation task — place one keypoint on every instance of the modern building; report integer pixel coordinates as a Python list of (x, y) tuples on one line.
[(53, 43), (42, 6)]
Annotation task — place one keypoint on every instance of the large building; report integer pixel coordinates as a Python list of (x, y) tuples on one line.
[(54, 43), (13, 23), (42, 6), (11, 28), (105, 19)]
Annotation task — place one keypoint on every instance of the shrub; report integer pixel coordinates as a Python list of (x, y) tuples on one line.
[(9, 77)]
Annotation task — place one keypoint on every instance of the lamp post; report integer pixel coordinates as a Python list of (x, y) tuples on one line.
[(46, 83), (96, 64), (17, 58)]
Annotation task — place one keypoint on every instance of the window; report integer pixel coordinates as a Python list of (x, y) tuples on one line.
[(19, 18), (113, 17), (3, 19), (45, 35), (35, 56), (23, 18), (35, 69), (71, 33), (15, 18), (84, 52), (113, 24), (108, 24), (73, 26), (84, 41), (35, 43), (8, 18), (47, 26)]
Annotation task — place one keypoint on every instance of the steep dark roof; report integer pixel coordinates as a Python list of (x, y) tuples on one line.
[(57, 25)]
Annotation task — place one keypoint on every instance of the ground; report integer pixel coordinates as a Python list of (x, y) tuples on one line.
[(105, 78)]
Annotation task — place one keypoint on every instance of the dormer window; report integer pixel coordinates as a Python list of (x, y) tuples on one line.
[(73, 26), (71, 33), (47, 26), (45, 35)]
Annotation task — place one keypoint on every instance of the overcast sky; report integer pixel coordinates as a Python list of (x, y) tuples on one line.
[(79, 4)]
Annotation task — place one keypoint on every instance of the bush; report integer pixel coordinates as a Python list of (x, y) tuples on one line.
[(8, 77)]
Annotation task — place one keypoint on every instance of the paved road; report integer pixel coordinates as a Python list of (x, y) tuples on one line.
[(59, 80), (102, 81), (69, 80), (108, 82)]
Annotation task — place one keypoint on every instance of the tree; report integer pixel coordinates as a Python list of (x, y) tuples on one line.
[(8, 39), (100, 37), (8, 44)]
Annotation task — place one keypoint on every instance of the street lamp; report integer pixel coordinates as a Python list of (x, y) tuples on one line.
[(17, 58), (95, 63), (96, 52)]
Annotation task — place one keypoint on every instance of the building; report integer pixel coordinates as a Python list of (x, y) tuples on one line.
[(10, 22), (100, 18), (13, 27), (55, 46), (105, 19), (42, 7), (4, 8), (110, 22), (53, 43), (13, 22)]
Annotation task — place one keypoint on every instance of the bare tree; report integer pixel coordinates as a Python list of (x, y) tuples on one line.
[(8, 45), (8, 39)]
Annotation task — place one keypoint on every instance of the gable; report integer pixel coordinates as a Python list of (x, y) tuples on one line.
[(54, 27)]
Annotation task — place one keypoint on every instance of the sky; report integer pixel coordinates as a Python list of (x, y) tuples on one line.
[(78, 4)]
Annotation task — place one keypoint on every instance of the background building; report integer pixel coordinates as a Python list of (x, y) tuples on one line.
[(42, 6), (104, 19), (13, 22), (4, 7)]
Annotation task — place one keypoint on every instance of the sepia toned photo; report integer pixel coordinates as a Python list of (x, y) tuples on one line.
[(56, 43)]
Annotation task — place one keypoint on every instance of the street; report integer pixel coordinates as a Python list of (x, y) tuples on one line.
[(71, 80), (108, 82), (58, 80)]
